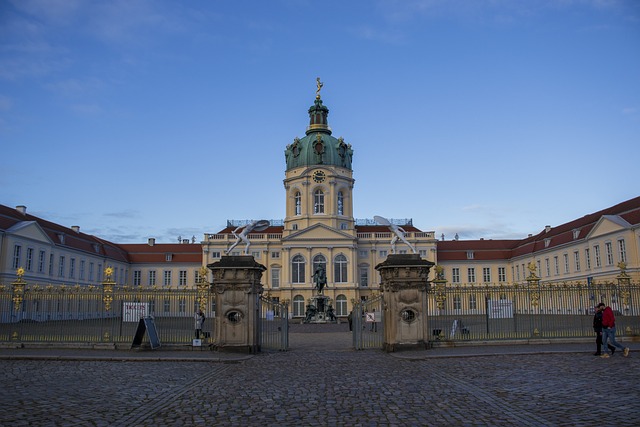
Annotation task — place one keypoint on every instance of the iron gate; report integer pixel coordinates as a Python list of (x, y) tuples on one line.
[(273, 333), (367, 323)]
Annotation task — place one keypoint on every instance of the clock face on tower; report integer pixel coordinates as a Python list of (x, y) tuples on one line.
[(318, 176)]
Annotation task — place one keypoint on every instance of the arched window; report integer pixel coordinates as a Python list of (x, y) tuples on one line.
[(340, 203), (318, 202), (340, 269), (298, 199), (341, 305), (298, 306), (297, 269)]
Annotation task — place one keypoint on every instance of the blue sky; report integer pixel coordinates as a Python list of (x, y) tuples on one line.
[(486, 118)]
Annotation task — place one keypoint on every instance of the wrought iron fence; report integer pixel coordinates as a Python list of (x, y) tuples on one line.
[(506, 312), (100, 314)]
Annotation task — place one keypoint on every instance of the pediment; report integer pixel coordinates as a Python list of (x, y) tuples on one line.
[(608, 224), (29, 230), (319, 232)]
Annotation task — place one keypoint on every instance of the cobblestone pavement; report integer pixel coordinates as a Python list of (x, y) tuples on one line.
[(321, 381)]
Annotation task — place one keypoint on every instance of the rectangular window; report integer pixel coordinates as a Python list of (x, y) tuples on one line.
[(168, 257), (455, 275), (469, 254), (41, 258), (587, 258), (17, 251), (383, 254), (364, 277), (29, 264), (137, 277), (609, 251), (61, 266), (51, 265), (82, 265), (622, 251), (99, 274), (167, 278), (576, 260), (471, 274), (152, 278), (167, 305), (182, 278), (596, 254), (517, 272), (457, 302), (565, 258), (256, 254), (275, 254), (473, 305), (486, 274), (72, 268), (422, 253), (502, 274), (362, 254), (275, 277), (547, 267), (215, 254), (556, 266), (90, 271)]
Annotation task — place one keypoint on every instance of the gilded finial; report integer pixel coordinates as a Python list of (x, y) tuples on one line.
[(319, 84)]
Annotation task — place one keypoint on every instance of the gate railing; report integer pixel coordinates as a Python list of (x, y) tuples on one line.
[(99, 314), (368, 323), (550, 311), (273, 326)]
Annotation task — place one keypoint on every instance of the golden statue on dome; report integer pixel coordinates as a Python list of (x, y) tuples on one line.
[(319, 84)]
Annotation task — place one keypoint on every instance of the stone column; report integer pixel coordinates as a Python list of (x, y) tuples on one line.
[(237, 289), (404, 288)]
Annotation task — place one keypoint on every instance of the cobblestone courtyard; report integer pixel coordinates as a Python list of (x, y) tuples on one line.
[(321, 381)]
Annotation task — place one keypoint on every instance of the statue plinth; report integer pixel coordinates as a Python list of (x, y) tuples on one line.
[(237, 289), (404, 284), (319, 310)]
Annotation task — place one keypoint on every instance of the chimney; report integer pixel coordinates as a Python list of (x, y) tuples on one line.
[(547, 228), (75, 228), (22, 209), (152, 241)]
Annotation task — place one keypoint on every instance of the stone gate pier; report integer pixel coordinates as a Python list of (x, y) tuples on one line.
[(237, 288), (404, 287)]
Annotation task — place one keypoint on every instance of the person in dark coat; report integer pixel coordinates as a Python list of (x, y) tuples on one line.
[(597, 328)]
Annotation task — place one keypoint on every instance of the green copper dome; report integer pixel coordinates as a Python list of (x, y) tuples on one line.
[(318, 147)]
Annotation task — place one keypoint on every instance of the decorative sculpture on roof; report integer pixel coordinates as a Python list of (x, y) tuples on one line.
[(398, 232), (244, 234), (319, 84)]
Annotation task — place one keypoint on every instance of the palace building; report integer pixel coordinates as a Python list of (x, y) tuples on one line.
[(319, 230)]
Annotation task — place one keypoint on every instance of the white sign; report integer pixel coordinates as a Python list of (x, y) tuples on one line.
[(371, 317), (500, 309), (197, 342), (134, 311)]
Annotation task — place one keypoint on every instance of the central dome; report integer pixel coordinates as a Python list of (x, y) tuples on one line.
[(318, 147)]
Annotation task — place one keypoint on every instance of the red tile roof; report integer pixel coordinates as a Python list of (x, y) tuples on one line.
[(9, 217)]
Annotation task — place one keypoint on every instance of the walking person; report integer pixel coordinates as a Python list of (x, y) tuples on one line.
[(609, 331), (199, 318), (597, 328)]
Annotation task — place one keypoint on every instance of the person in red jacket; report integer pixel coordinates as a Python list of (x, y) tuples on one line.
[(609, 331)]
